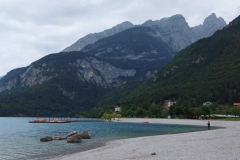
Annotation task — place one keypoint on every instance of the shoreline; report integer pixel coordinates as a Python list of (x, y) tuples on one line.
[(223, 143)]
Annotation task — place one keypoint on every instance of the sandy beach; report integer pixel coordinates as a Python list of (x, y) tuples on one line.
[(220, 144)]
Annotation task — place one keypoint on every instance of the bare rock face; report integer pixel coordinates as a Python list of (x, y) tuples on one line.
[(87, 69), (92, 38), (210, 25), (174, 31)]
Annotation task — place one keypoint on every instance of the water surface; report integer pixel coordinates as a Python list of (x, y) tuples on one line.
[(21, 140)]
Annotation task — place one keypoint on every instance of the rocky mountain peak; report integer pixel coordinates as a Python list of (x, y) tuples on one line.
[(174, 31), (210, 25), (123, 25), (210, 18), (177, 17), (213, 21)]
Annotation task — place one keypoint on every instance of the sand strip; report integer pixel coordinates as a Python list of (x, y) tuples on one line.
[(220, 144)]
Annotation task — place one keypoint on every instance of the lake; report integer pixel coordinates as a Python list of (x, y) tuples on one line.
[(21, 140)]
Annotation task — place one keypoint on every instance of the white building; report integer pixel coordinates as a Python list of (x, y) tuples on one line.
[(118, 109), (208, 103)]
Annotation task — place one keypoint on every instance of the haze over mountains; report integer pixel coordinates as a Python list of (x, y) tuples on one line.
[(75, 79)]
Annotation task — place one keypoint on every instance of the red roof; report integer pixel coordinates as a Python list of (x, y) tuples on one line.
[(236, 104)]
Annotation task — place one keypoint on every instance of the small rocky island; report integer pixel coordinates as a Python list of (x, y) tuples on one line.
[(72, 137)]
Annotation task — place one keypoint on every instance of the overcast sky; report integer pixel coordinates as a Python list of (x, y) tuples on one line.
[(31, 29)]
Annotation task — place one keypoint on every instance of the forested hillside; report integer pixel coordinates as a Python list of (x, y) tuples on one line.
[(207, 70)]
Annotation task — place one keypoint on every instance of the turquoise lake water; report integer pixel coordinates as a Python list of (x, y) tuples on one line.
[(21, 140)]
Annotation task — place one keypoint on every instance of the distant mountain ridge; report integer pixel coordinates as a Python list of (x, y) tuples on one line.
[(174, 31), (92, 38)]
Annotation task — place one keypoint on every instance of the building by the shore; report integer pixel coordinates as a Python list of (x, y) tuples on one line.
[(236, 104), (168, 104), (118, 109), (208, 103)]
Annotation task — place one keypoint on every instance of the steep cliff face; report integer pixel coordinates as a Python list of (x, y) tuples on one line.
[(210, 25), (85, 68), (94, 37), (174, 31), (101, 73)]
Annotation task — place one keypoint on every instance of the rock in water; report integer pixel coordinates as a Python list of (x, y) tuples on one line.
[(85, 135), (76, 138), (46, 139), (71, 134)]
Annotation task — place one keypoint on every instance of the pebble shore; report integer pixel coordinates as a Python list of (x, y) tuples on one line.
[(219, 144)]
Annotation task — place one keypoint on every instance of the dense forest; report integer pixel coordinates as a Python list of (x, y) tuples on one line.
[(62, 96)]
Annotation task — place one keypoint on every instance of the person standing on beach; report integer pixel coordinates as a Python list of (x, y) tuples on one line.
[(208, 125)]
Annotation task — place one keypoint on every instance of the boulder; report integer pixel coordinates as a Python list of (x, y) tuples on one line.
[(71, 134), (46, 139), (72, 137), (85, 135), (76, 138)]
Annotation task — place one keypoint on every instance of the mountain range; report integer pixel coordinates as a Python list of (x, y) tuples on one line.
[(174, 31), (207, 70), (78, 78)]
